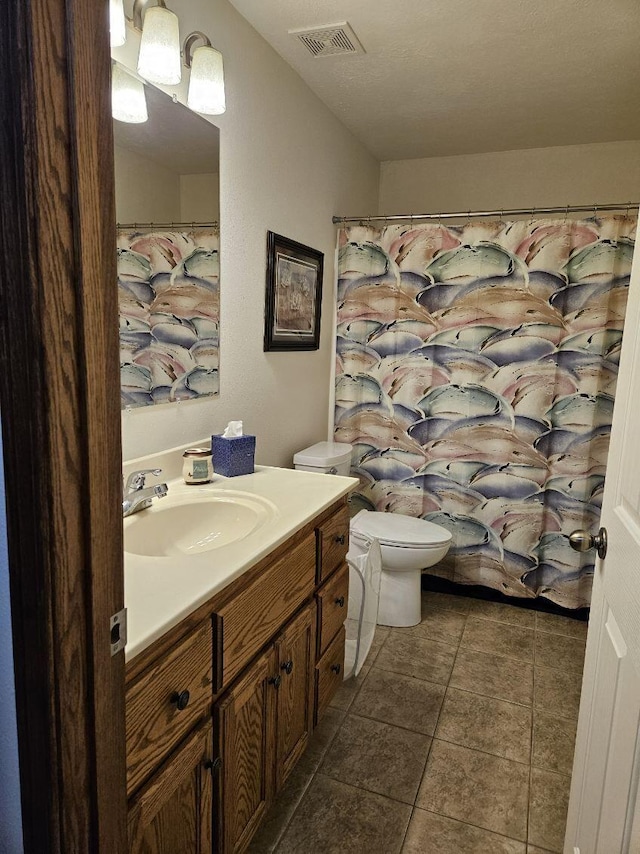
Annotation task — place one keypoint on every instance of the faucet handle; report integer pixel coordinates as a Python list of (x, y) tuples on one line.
[(137, 479)]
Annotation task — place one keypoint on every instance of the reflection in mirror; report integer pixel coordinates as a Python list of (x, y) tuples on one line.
[(167, 206)]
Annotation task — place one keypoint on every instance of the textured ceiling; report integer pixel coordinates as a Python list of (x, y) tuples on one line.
[(463, 76)]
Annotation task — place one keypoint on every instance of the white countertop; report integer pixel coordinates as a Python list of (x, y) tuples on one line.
[(161, 591)]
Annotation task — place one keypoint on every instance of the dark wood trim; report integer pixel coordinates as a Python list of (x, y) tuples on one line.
[(60, 420)]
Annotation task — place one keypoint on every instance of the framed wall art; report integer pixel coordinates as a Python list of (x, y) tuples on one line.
[(294, 295)]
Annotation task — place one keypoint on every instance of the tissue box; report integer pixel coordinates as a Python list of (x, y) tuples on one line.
[(233, 456)]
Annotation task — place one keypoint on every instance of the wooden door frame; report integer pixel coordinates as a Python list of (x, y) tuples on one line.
[(59, 400)]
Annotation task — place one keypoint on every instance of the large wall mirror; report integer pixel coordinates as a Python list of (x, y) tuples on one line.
[(167, 207)]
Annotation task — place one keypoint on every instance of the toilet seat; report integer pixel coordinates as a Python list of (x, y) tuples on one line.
[(398, 531)]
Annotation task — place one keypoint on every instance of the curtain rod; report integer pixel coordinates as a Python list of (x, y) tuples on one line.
[(567, 209), (165, 226)]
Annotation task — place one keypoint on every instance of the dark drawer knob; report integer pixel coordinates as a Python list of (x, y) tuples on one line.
[(275, 681), (340, 601), (213, 765), (287, 667), (181, 700), (340, 539), (336, 668)]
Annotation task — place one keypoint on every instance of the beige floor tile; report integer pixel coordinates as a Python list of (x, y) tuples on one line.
[(483, 723), (446, 601), (439, 625), (416, 656), (378, 757), (549, 800), (559, 625), (557, 692), (334, 818), (429, 833), (400, 700), (494, 676), (380, 636), (477, 788), (498, 638), (533, 849), (348, 691), (502, 612), (553, 742), (559, 651), (276, 820)]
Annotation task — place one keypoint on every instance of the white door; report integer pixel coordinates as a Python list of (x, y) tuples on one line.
[(604, 787)]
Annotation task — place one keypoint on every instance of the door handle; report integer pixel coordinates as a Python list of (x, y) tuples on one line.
[(582, 541)]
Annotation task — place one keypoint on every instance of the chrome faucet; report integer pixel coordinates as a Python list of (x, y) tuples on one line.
[(137, 496)]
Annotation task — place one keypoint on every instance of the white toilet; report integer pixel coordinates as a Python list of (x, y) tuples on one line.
[(408, 545)]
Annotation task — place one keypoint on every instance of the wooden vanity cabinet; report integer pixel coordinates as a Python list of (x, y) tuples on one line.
[(244, 721), (257, 666), (263, 724), (295, 652), (173, 812)]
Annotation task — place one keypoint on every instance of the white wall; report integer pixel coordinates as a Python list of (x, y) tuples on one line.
[(199, 197), (286, 165), (536, 177), (145, 190)]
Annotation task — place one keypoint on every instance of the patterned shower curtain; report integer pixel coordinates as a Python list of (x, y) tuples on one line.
[(476, 372)]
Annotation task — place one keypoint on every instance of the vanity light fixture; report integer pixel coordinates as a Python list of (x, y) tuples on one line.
[(159, 57), (206, 84), (128, 101), (117, 23)]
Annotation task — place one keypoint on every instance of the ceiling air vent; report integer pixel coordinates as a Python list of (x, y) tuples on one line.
[(330, 40)]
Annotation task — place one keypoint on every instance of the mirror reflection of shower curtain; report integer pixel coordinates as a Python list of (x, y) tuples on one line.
[(476, 371)]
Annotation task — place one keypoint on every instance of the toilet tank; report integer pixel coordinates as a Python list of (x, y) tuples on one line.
[(325, 458)]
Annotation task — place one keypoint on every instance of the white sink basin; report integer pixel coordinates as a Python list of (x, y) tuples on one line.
[(190, 523)]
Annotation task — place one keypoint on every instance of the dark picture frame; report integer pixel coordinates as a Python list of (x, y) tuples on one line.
[(294, 295)]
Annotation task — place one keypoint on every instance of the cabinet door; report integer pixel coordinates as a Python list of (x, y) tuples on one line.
[(295, 649), (174, 811), (245, 733)]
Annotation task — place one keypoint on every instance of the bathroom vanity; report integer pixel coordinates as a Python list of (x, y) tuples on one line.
[(223, 695)]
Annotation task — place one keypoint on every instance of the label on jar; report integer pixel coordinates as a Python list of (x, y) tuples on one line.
[(200, 469)]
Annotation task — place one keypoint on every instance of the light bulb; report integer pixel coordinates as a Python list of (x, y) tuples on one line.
[(206, 85), (117, 23), (128, 101), (159, 57)]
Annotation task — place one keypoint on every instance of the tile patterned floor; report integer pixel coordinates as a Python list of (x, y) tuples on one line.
[(457, 738)]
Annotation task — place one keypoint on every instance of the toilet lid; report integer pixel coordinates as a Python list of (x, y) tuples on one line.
[(394, 529)]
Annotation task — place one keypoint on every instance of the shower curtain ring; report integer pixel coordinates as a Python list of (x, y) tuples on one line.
[(566, 213)]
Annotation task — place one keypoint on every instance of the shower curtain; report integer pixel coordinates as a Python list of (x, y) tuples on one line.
[(475, 376)]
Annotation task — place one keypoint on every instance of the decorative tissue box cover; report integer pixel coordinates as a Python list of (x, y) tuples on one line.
[(234, 455)]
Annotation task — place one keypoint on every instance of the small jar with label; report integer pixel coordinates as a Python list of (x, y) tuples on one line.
[(196, 466)]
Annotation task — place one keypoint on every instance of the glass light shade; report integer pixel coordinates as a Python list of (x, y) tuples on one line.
[(128, 101), (206, 85), (117, 23), (159, 57)]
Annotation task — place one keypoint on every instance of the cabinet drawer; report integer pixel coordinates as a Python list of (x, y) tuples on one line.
[(332, 543), (332, 607), (258, 612), (329, 674), (155, 717)]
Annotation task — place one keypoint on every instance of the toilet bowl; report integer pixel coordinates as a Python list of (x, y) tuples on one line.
[(408, 546)]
